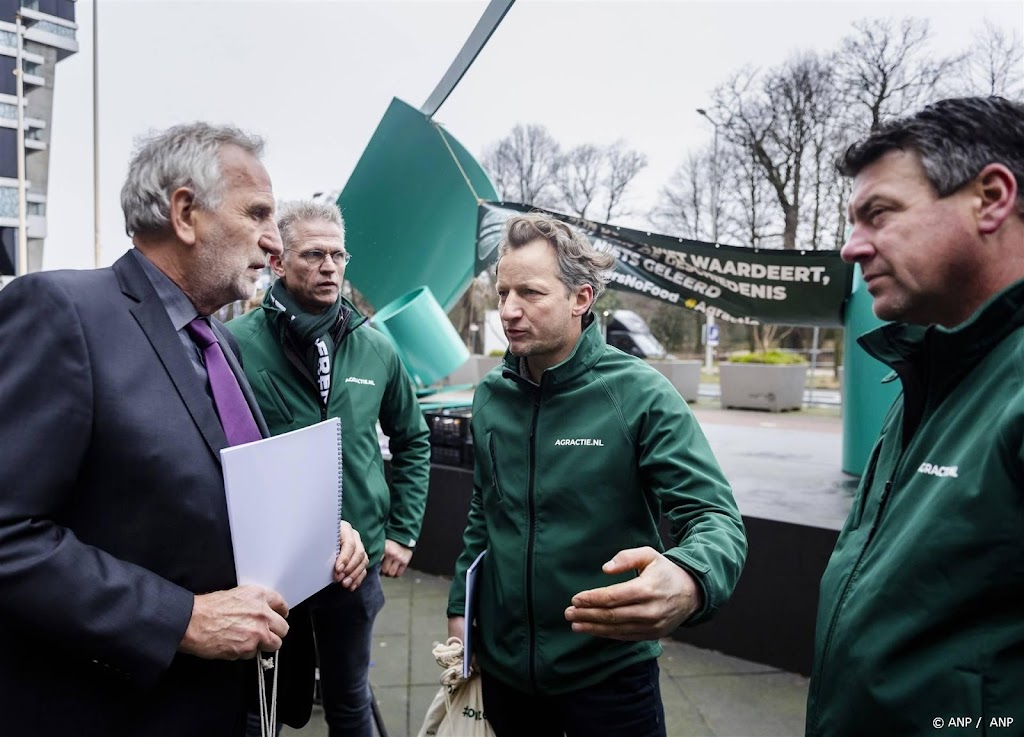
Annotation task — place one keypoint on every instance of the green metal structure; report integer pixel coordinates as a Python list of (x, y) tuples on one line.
[(410, 210)]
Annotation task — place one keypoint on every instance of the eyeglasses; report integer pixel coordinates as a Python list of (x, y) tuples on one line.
[(316, 257)]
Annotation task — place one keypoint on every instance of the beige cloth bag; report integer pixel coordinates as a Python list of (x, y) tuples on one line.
[(458, 707)]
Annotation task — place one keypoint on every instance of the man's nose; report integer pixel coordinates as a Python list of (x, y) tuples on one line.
[(327, 265), (270, 241), (857, 247), (509, 309)]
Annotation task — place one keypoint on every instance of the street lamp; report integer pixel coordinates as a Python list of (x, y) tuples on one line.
[(709, 348), (714, 175)]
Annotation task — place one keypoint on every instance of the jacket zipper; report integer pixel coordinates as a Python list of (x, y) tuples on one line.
[(530, 618), (909, 379), (882, 503)]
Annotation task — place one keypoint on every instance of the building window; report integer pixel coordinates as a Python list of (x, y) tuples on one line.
[(32, 68), (8, 202), (35, 208), (8, 111), (47, 27), (8, 153), (8, 84), (65, 9)]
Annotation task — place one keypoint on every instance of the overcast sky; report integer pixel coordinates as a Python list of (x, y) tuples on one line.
[(315, 77)]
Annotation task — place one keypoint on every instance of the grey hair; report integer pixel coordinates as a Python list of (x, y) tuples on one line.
[(579, 262), (954, 139), (293, 213), (181, 156)]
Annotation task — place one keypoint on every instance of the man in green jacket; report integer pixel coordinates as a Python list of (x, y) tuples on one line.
[(920, 622), (310, 356), (580, 449)]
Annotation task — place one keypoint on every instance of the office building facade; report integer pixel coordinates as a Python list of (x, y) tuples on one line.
[(48, 36)]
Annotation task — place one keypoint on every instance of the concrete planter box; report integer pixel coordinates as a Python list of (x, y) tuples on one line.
[(484, 364), (762, 386), (473, 370), (464, 374), (684, 375)]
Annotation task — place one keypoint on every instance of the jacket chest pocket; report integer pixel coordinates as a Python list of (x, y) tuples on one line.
[(272, 402)]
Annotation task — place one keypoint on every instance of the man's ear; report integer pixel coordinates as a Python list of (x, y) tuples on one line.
[(276, 265), (996, 188), (584, 299), (183, 214)]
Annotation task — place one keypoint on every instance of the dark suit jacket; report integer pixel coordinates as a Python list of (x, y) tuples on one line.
[(112, 514)]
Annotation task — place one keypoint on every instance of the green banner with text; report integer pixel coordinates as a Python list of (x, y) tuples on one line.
[(739, 285)]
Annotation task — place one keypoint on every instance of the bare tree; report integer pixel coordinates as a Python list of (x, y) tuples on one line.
[(471, 308), (579, 178), (995, 63), (623, 165), (684, 201), (684, 207), (775, 121), (524, 164), (826, 188), (593, 180), (884, 69), (748, 216)]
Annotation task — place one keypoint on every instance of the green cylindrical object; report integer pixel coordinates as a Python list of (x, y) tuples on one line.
[(424, 337), (865, 399)]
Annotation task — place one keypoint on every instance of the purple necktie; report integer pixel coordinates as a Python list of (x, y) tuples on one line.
[(235, 416)]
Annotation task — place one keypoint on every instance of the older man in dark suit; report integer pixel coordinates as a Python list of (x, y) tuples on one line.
[(119, 609)]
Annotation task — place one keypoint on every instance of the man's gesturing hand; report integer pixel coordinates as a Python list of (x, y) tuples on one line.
[(350, 565), (650, 606), (233, 624)]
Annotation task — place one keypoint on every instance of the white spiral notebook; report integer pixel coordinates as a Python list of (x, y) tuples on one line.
[(284, 506)]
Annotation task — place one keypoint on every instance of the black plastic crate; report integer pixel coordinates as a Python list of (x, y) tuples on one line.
[(446, 455), (448, 427), (450, 455)]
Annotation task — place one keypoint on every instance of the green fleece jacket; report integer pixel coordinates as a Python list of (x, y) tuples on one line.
[(921, 612), (567, 474), (368, 383)]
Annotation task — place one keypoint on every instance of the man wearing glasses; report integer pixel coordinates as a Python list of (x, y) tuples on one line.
[(309, 356)]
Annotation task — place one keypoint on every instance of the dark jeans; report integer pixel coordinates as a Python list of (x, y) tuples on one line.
[(343, 627), (627, 704)]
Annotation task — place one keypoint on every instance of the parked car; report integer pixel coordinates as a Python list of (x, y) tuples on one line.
[(628, 332)]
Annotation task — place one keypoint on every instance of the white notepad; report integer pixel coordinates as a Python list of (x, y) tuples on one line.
[(472, 574), (284, 506)]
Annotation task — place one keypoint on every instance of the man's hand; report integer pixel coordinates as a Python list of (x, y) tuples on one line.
[(234, 624), (457, 628), (650, 606), (396, 558), (350, 565)]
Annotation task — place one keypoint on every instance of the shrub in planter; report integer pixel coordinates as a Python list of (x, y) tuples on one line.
[(771, 380), (774, 358)]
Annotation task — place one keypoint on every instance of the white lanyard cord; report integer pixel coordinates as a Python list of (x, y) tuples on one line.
[(268, 712)]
